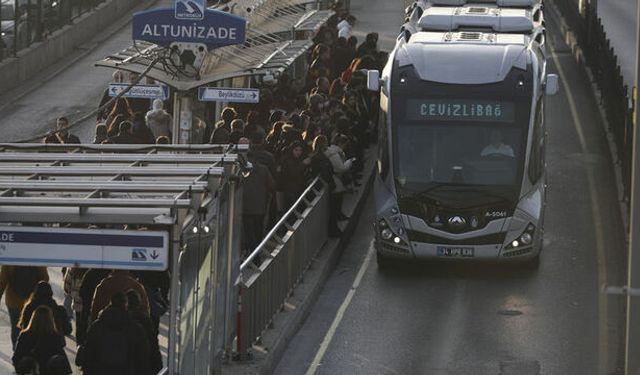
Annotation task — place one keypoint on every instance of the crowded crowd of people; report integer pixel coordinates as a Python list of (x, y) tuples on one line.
[(317, 125), (116, 313)]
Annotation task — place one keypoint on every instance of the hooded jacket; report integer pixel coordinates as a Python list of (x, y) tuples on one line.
[(158, 120)]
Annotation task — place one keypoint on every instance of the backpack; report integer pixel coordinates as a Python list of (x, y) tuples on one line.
[(24, 280), (113, 349)]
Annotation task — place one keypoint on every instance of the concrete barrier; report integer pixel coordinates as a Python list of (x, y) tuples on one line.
[(32, 60)]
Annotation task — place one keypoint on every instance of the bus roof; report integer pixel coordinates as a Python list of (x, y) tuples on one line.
[(464, 57)]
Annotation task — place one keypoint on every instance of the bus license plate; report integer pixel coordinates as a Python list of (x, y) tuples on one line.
[(466, 252)]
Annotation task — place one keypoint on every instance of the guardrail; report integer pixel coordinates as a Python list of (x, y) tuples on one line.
[(25, 22), (603, 62), (269, 275)]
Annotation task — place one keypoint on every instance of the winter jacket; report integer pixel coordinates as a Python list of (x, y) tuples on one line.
[(41, 348), (12, 299), (144, 321), (257, 190), (340, 165), (118, 281), (159, 121), (292, 178), (115, 344), (72, 283)]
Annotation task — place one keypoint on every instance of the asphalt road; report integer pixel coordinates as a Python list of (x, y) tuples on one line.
[(62, 90), (438, 318)]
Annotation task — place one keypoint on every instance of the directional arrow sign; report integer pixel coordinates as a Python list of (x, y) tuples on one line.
[(220, 94), (140, 91)]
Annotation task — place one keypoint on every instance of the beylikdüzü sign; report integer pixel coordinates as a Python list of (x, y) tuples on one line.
[(161, 27)]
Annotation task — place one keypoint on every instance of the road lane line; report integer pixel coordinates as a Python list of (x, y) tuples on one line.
[(603, 342), (340, 314)]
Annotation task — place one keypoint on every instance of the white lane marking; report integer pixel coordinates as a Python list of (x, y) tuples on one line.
[(603, 361), (340, 314)]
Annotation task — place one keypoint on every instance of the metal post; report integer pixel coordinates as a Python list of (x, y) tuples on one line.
[(182, 119), (231, 290), (174, 293), (632, 360)]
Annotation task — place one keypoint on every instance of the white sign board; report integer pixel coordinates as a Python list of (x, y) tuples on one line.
[(90, 248), (220, 94), (140, 91)]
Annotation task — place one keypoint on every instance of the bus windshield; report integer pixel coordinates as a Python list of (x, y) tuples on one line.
[(459, 141)]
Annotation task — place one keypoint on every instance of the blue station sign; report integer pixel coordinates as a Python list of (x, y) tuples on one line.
[(162, 27)]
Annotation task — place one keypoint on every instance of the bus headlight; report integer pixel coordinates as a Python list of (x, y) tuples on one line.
[(386, 234), (526, 238)]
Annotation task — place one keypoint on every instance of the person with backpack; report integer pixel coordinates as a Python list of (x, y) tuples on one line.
[(42, 341), (18, 282), (43, 296), (115, 343)]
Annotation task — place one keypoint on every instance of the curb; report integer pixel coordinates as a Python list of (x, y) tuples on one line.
[(287, 323)]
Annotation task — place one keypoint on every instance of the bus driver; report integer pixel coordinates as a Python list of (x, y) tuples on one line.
[(496, 147)]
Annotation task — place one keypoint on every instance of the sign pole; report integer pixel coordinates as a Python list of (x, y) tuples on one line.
[(632, 360)]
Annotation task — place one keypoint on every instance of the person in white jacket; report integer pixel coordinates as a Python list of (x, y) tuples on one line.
[(341, 166), (159, 121)]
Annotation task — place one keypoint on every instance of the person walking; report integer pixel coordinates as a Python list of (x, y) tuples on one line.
[(72, 283), (18, 282), (138, 315), (41, 340), (117, 281), (90, 281), (43, 296), (115, 344), (341, 166)]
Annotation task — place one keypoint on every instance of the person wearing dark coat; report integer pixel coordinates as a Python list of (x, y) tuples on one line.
[(292, 177), (257, 192), (43, 296), (41, 341), (138, 315), (124, 135), (90, 281), (140, 132), (115, 344)]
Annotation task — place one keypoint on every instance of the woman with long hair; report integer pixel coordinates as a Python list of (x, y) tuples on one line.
[(43, 295), (41, 340), (120, 107)]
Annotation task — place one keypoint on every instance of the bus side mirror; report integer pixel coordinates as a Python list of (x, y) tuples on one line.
[(552, 84), (373, 80)]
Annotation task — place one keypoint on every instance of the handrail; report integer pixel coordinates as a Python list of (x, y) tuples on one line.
[(280, 222)]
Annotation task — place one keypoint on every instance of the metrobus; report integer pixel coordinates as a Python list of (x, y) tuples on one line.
[(461, 164)]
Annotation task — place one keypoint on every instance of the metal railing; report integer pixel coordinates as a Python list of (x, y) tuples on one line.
[(25, 22), (269, 275), (603, 62)]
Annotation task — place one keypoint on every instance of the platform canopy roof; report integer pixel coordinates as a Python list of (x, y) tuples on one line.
[(270, 47), (107, 184)]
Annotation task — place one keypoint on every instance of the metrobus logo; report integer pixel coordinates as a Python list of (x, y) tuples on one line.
[(189, 9)]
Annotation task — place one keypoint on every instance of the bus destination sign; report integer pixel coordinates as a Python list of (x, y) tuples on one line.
[(460, 110)]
